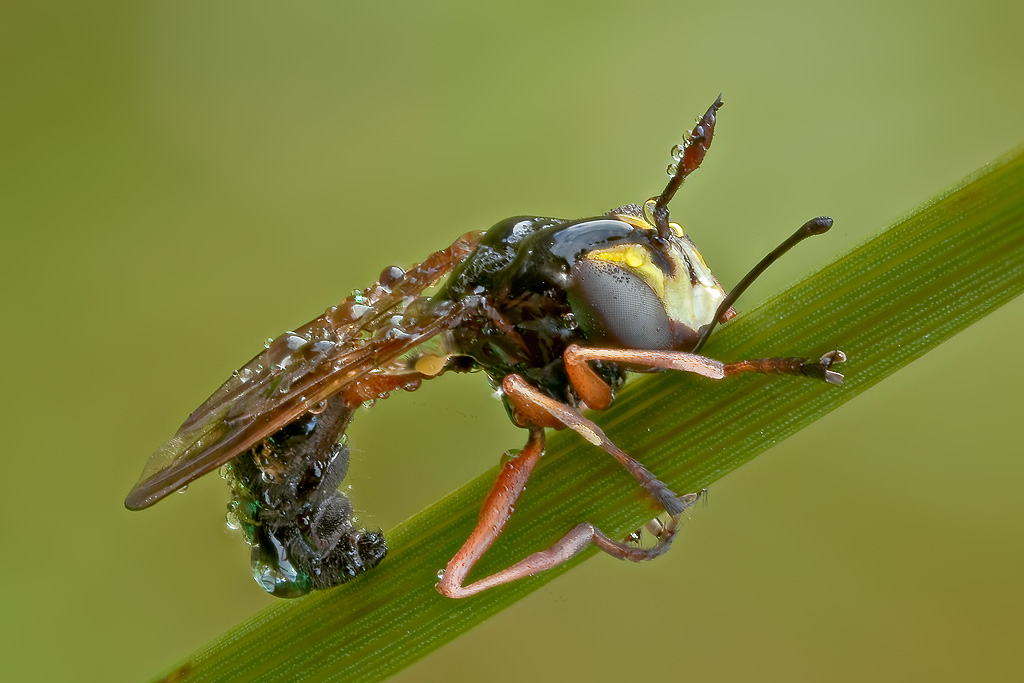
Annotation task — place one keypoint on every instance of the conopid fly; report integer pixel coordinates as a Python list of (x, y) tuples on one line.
[(555, 312)]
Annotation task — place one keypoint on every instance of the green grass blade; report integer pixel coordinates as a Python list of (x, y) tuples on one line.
[(933, 273)]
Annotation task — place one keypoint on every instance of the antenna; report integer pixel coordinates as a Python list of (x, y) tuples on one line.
[(815, 226), (686, 158)]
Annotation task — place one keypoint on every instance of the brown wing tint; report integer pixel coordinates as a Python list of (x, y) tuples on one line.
[(366, 334)]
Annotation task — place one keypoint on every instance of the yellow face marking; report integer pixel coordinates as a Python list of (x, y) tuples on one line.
[(647, 224), (635, 256), (691, 304), (637, 259), (634, 221)]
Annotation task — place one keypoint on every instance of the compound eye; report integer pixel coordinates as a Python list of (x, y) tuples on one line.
[(615, 305)]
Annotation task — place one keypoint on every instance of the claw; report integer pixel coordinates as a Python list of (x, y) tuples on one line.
[(821, 370), (656, 528), (664, 532), (690, 499), (836, 356)]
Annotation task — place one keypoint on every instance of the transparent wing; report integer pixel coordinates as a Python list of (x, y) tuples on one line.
[(367, 334)]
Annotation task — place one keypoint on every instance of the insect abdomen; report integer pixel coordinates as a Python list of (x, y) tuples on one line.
[(285, 499)]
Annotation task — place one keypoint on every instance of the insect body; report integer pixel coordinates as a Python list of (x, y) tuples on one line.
[(555, 312)]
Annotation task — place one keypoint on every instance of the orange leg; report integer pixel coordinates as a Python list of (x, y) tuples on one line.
[(536, 410), (792, 366), (495, 513), (596, 393), (542, 409)]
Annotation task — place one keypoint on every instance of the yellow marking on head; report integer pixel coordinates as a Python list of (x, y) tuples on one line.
[(635, 258), (632, 255), (693, 304), (647, 222), (635, 221)]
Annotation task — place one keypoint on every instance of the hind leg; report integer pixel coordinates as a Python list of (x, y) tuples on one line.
[(497, 509)]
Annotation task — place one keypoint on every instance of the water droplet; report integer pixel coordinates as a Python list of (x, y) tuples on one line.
[(244, 375), (375, 292), (232, 521), (323, 346), (672, 169), (440, 574), (677, 152), (391, 276), (183, 489)]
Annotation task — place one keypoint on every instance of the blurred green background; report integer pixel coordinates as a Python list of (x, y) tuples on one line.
[(180, 180)]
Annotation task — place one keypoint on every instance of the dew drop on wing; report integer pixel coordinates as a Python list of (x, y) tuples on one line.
[(322, 346), (285, 385), (391, 276), (345, 313), (282, 351)]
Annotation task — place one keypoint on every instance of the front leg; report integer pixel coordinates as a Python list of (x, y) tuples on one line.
[(588, 384), (596, 393), (822, 369)]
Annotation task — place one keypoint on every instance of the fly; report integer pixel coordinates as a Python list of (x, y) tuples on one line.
[(555, 312)]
